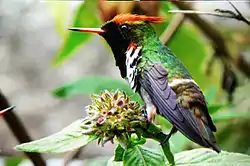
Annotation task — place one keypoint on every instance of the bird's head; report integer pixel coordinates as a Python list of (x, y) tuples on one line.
[(124, 30)]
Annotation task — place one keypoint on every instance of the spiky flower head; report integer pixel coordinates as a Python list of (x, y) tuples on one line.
[(111, 114)]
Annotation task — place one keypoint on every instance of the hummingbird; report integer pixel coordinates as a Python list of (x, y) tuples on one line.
[(158, 76)]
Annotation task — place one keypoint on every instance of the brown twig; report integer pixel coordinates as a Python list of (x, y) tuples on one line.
[(239, 15), (173, 27), (201, 13), (217, 13), (19, 130), (217, 39)]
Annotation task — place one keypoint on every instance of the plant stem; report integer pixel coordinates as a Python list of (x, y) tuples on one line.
[(160, 137), (155, 133)]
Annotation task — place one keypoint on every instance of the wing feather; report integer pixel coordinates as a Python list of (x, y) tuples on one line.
[(164, 98)]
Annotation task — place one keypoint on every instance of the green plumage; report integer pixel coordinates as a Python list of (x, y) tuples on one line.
[(189, 95), (154, 52), (164, 56)]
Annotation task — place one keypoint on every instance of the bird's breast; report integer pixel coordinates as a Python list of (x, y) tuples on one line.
[(132, 57)]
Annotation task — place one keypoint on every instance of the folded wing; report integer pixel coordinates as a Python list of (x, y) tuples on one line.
[(154, 81)]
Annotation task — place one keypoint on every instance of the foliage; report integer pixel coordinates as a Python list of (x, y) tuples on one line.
[(111, 115), (131, 137), (74, 39), (207, 157), (143, 156), (138, 155), (68, 139), (13, 161), (89, 85), (203, 157)]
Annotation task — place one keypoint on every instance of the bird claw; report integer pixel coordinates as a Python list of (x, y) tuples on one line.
[(173, 130)]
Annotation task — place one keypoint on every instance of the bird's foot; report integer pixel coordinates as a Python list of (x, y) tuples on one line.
[(173, 130)]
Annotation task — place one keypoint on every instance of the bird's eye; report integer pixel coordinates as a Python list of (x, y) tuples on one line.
[(124, 27)]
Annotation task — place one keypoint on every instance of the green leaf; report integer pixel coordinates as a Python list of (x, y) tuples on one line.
[(119, 152), (141, 156), (207, 157), (13, 161), (68, 139), (135, 140), (85, 17), (89, 85), (59, 11)]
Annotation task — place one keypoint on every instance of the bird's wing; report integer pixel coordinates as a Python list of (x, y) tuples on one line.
[(154, 81)]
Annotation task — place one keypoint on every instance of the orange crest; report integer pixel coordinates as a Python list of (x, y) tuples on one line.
[(122, 18)]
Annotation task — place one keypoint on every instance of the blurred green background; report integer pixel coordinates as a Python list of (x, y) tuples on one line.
[(48, 72)]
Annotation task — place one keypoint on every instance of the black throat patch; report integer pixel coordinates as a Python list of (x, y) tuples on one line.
[(118, 44)]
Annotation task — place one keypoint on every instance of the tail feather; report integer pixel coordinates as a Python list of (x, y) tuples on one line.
[(208, 136), (201, 133)]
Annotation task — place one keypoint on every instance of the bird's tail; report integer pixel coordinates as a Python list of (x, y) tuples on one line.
[(208, 137), (216, 147)]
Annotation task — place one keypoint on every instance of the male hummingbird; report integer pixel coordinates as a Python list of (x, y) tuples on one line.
[(162, 81)]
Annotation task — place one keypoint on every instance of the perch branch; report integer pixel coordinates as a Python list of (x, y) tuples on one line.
[(239, 15), (217, 13), (19, 130), (173, 27), (217, 39), (200, 13)]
